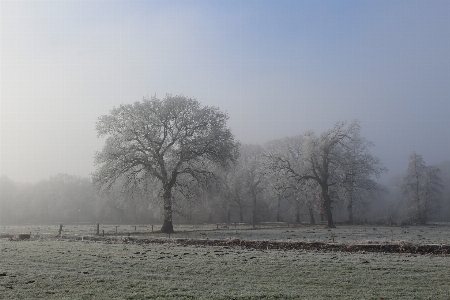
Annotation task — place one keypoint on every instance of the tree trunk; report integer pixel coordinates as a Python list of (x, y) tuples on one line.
[(350, 208), (241, 214), (167, 226), (254, 213), (311, 215), (327, 208), (279, 208)]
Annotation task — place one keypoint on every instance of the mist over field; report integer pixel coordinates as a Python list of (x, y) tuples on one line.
[(277, 68), (232, 149)]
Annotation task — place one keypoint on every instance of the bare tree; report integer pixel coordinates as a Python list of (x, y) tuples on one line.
[(165, 139), (233, 191), (284, 167), (326, 160), (359, 170), (422, 188), (251, 175)]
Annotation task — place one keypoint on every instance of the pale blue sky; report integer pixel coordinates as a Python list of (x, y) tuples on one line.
[(277, 67)]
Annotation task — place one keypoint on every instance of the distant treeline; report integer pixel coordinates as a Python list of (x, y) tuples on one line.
[(70, 199), (174, 160)]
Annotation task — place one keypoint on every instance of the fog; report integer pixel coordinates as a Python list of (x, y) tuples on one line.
[(277, 68)]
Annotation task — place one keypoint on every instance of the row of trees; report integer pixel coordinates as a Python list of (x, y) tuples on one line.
[(61, 198), (69, 199), (178, 146), (174, 157)]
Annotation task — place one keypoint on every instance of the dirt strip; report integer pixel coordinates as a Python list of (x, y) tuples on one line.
[(400, 247)]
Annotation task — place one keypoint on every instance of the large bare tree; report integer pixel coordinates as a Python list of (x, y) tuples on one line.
[(171, 141), (327, 161)]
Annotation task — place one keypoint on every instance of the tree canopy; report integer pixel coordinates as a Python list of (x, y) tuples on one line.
[(171, 141)]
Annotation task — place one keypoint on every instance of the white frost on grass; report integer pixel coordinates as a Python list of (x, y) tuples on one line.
[(51, 269), (306, 233)]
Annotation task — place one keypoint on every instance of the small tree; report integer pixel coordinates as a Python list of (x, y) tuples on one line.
[(422, 188), (171, 140)]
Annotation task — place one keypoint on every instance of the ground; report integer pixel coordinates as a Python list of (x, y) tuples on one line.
[(81, 265)]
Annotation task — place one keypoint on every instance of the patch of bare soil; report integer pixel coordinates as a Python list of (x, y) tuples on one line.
[(399, 247)]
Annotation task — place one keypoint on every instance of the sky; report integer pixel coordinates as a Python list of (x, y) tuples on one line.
[(278, 68)]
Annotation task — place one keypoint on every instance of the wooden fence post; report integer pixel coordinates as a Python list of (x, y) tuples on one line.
[(60, 229), (98, 228)]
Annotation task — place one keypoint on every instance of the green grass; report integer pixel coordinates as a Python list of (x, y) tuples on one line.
[(55, 269)]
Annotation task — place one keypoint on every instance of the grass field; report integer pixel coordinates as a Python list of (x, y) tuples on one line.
[(45, 267)]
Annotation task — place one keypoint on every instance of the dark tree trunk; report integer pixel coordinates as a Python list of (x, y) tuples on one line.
[(167, 226), (327, 208), (350, 213), (254, 212), (350, 208), (311, 215)]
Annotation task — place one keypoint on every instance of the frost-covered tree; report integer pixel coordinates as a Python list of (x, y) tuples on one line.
[(338, 157), (422, 188), (277, 188), (242, 184), (251, 174), (444, 205), (325, 161), (233, 192), (171, 140), (284, 162), (360, 168)]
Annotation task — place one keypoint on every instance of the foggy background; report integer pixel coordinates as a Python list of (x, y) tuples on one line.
[(277, 67)]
